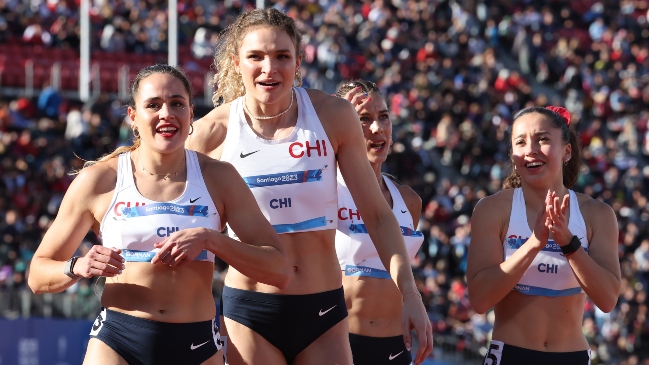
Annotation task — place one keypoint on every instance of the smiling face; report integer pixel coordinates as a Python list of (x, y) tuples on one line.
[(267, 63), (538, 150), (162, 112), (377, 128)]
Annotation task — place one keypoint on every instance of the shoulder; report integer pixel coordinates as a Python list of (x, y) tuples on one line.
[(501, 201), (94, 183), (324, 103), (594, 210), (209, 131), (214, 170), (410, 197)]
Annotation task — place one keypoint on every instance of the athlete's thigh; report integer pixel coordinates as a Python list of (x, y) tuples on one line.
[(246, 346), (329, 349), (217, 359), (98, 353)]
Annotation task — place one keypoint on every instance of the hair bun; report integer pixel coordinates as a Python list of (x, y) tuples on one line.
[(565, 114)]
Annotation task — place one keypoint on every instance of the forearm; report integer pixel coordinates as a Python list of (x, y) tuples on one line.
[(46, 276), (265, 264), (389, 243), (490, 285), (601, 286)]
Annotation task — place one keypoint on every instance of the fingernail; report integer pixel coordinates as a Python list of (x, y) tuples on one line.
[(120, 271), (408, 346), (123, 266), (369, 99)]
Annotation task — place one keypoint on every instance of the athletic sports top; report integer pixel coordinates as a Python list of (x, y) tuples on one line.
[(550, 273), (356, 252), (134, 223), (293, 179)]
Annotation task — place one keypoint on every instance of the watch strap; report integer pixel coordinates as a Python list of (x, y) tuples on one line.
[(69, 266), (571, 247)]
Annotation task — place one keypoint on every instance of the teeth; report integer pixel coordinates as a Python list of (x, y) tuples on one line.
[(534, 164), (167, 129)]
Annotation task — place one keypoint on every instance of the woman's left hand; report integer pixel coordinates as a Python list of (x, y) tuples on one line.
[(180, 247), (414, 316), (558, 224)]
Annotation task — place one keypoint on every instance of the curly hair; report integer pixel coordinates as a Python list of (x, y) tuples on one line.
[(228, 84), (568, 135)]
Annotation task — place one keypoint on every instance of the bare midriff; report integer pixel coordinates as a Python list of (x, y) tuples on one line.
[(374, 306), (313, 261), (162, 293), (551, 324)]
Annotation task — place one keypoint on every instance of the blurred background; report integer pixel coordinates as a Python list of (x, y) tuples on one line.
[(454, 73)]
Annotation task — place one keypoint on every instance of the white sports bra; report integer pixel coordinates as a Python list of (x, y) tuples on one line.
[(134, 223), (550, 273), (357, 255), (293, 179)]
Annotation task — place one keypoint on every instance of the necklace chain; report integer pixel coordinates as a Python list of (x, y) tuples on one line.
[(273, 116), (164, 176)]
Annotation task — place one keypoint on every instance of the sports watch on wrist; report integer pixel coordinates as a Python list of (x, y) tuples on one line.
[(571, 247), (69, 266)]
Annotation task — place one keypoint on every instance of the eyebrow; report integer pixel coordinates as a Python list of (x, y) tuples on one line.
[(175, 96), (275, 51), (535, 134)]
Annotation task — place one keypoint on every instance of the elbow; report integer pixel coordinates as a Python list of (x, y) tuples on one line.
[(33, 286), (608, 304), (477, 303)]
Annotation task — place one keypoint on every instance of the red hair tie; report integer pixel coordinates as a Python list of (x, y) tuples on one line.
[(561, 111)]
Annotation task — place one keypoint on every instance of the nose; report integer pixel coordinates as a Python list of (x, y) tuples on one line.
[(375, 127), (268, 66), (164, 111)]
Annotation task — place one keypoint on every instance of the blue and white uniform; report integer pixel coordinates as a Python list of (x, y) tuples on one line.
[(134, 223), (293, 180), (550, 273), (357, 256), (356, 252)]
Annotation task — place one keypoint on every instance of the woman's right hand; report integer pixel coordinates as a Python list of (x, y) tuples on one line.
[(358, 98), (100, 261), (541, 231)]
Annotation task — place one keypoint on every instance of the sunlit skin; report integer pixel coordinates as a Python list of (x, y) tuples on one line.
[(536, 322), (538, 153), (374, 305), (267, 62)]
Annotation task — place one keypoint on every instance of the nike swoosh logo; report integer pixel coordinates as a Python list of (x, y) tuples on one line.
[(392, 357), (404, 211), (244, 155), (193, 200), (197, 346), (325, 312)]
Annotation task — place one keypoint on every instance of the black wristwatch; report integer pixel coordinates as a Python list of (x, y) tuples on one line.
[(69, 266), (572, 246)]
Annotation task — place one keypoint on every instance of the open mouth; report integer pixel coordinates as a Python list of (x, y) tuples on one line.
[(167, 131), (378, 146), (534, 165), (269, 83)]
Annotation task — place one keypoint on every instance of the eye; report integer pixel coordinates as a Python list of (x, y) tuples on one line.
[(153, 106), (366, 120), (253, 57), (177, 104), (284, 56), (384, 117), (519, 142)]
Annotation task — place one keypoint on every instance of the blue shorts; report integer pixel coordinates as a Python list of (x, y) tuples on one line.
[(502, 354), (289, 322), (368, 350), (141, 341)]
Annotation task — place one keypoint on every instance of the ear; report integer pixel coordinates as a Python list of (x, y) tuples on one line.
[(131, 114), (236, 60), (568, 153), (298, 61), (191, 114)]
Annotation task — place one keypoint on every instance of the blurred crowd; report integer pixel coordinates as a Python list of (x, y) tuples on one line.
[(454, 74)]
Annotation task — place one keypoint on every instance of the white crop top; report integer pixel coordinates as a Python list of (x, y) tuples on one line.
[(550, 273), (357, 255), (293, 179), (134, 223)]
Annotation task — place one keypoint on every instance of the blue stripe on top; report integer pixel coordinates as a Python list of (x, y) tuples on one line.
[(535, 290), (165, 208), (405, 231), (147, 256), (351, 270), (284, 178), (551, 246), (299, 226)]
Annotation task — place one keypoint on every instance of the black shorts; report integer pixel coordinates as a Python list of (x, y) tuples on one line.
[(368, 350), (142, 342), (289, 322), (502, 354)]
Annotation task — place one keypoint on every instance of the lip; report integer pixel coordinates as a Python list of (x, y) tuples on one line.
[(527, 163), (167, 134), (269, 81), (377, 148)]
